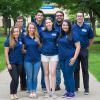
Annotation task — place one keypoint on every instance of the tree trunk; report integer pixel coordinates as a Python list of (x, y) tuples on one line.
[(5, 18), (92, 19)]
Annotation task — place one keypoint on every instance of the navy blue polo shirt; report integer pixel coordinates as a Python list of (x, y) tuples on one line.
[(57, 27), (49, 42), (40, 27), (32, 49), (66, 45), (85, 33), (15, 53)]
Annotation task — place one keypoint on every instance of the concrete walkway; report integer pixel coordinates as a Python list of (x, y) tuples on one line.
[(5, 81)]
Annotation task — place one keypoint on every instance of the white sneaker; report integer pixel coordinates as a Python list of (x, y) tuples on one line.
[(47, 95), (35, 95), (16, 97), (54, 96)]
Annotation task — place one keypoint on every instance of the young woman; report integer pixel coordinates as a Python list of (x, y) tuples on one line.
[(49, 55), (13, 56), (68, 47), (32, 58)]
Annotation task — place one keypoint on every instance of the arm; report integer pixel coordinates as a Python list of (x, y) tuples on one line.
[(23, 49), (7, 58), (90, 43), (72, 60)]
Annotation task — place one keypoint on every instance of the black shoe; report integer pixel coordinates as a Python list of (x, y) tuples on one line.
[(86, 92), (57, 88), (23, 89)]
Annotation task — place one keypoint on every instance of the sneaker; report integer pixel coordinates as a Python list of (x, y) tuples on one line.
[(70, 95), (31, 95), (65, 95), (57, 88), (35, 95), (54, 96), (12, 97), (47, 95), (16, 97), (86, 92), (44, 91)]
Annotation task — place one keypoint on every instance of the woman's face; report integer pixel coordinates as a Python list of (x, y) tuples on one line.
[(31, 29), (65, 27), (48, 24), (16, 32)]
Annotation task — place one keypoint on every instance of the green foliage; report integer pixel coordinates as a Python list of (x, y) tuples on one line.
[(13, 8)]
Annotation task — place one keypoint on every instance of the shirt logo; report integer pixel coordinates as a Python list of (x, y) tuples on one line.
[(54, 34), (20, 42), (35, 40), (84, 30), (42, 28)]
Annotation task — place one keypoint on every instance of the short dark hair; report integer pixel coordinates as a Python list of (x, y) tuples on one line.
[(59, 12), (80, 12), (39, 11), (19, 17)]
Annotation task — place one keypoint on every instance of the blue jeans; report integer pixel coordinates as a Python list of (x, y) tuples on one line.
[(68, 72), (32, 70), (42, 78), (58, 74)]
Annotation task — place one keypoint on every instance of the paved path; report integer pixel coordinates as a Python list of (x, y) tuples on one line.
[(5, 81)]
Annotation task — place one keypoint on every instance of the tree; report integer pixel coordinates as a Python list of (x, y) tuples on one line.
[(92, 7), (13, 8)]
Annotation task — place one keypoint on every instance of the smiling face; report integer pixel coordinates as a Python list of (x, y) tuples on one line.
[(48, 24), (80, 17), (20, 22), (65, 27), (16, 32), (59, 17), (39, 16), (31, 29)]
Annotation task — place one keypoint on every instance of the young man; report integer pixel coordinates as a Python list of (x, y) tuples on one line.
[(59, 17), (86, 40), (39, 22), (20, 24)]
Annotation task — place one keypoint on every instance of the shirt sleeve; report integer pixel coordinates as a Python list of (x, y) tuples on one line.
[(6, 43), (75, 37), (90, 33)]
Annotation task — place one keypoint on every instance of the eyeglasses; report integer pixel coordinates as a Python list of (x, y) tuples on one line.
[(59, 15)]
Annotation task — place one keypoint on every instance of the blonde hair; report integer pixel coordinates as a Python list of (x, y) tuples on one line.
[(36, 34), (12, 39)]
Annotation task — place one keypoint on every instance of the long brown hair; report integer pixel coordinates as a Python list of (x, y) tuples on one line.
[(36, 34), (12, 39)]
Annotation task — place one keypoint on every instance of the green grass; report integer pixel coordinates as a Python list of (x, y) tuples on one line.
[(94, 61), (98, 31), (2, 61)]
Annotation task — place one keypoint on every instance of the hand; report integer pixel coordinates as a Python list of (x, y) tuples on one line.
[(9, 67), (72, 61)]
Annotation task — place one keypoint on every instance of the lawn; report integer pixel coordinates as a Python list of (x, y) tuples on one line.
[(94, 61), (2, 63), (98, 31)]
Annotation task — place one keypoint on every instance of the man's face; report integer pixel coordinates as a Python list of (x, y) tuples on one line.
[(39, 17), (79, 17), (59, 17), (20, 22)]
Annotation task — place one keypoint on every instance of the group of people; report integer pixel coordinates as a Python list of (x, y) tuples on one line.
[(52, 46)]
